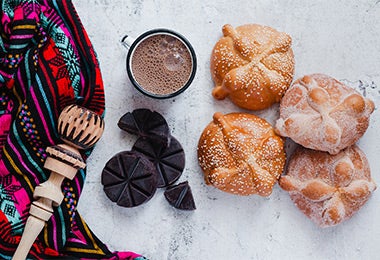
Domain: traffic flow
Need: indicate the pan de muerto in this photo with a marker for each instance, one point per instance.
(240, 153)
(328, 188)
(252, 65)
(321, 113)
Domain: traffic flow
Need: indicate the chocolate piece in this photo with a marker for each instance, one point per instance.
(180, 196)
(129, 179)
(147, 124)
(168, 161)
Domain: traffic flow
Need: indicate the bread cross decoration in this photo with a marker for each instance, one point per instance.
(321, 113)
(253, 65)
(333, 194)
(241, 154)
(246, 155)
(79, 128)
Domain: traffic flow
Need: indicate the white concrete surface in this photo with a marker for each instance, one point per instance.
(338, 38)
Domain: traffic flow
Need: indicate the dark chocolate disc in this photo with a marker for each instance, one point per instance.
(169, 161)
(129, 179)
(147, 124)
(180, 196)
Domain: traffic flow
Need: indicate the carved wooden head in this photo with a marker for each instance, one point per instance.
(80, 127)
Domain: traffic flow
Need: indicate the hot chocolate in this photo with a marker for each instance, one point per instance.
(161, 64)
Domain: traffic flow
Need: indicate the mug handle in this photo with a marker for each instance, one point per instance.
(127, 41)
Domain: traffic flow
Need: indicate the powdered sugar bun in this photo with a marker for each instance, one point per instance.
(328, 189)
(241, 154)
(253, 65)
(322, 113)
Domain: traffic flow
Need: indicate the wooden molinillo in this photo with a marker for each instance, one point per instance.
(79, 128)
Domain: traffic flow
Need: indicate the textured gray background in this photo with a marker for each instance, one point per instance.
(338, 38)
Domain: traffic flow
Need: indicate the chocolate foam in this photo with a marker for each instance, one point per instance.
(161, 64)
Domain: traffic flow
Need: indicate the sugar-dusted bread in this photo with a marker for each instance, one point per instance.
(252, 65)
(323, 114)
(327, 188)
(240, 153)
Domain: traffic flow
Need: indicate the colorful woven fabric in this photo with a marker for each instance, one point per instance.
(46, 63)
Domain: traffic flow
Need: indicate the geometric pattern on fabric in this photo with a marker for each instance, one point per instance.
(46, 63)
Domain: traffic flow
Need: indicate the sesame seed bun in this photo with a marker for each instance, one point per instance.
(241, 154)
(253, 65)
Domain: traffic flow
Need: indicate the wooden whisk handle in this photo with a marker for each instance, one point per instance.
(64, 161)
(79, 128)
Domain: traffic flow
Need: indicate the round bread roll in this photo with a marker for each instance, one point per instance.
(328, 189)
(253, 65)
(241, 154)
(323, 114)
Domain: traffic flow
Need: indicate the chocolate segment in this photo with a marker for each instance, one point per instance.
(129, 179)
(146, 124)
(180, 196)
(168, 161)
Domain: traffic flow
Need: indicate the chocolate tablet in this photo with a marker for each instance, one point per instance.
(147, 124)
(180, 196)
(168, 161)
(129, 179)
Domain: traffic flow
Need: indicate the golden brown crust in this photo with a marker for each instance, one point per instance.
(240, 153)
(253, 65)
(328, 188)
(323, 114)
